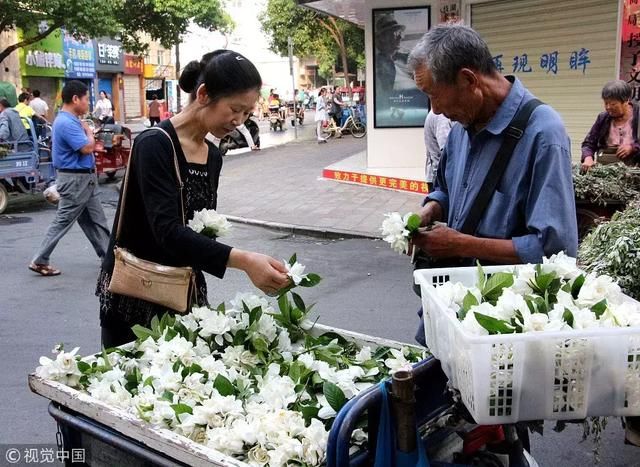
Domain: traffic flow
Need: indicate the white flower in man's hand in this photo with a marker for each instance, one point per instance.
(296, 272)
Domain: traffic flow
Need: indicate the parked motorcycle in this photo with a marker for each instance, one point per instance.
(299, 108)
(276, 119)
(235, 140)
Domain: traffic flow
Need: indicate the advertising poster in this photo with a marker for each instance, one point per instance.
(398, 102)
(79, 58)
(630, 46)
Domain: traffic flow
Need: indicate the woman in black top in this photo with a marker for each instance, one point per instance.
(224, 88)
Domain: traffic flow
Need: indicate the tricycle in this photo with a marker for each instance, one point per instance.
(113, 146)
(25, 167)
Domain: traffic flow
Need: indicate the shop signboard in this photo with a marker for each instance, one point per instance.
(79, 58)
(42, 58)
(109, 55)
(630, 46)
(133, 64)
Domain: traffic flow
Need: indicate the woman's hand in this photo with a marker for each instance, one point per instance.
(587, 163)
(624, 152)
(266, 273)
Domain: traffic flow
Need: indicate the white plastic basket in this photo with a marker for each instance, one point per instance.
(547, 375)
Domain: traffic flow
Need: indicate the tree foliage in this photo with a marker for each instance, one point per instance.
(313, 34)
(163, 20)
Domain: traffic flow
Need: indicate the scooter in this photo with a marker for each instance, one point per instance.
(299, 113)
(235, 140)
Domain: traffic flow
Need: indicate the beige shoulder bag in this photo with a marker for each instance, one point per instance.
(169, 286)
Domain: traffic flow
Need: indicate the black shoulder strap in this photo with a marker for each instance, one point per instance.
(512, 135)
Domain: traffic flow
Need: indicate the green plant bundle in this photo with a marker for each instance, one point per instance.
(606, 183)
(613, 248)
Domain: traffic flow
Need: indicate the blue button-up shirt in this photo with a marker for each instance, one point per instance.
(534, 202)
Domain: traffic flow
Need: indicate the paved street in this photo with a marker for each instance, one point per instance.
(365, 288)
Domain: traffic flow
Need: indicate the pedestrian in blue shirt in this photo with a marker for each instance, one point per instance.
(72, 153)
(532, 212)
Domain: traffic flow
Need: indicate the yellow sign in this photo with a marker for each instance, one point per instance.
(159, 71)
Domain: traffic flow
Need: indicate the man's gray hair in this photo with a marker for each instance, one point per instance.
(450, 47)
(618, 90)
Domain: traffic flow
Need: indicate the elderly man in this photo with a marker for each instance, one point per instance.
(531, 213)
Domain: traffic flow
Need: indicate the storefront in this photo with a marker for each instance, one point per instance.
(42, 68)
(133, 87)
(80, 65)
(159, 82)
(564, 52)
(109, 68)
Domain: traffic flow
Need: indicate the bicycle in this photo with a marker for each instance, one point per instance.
(351, 125)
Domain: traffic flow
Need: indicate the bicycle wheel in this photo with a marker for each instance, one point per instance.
(358, 130)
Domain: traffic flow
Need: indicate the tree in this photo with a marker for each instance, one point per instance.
(163, 20)
(313, 33)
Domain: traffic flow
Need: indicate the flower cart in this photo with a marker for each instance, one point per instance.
(112, 436)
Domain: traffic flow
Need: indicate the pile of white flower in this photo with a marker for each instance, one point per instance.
(553, 296)
(208, 222)
(246, 379)
(397, 230)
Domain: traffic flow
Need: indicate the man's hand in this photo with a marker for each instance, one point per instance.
(624, 152)
(430, 213)
(587, 163)
(439, 242)
(87, 129)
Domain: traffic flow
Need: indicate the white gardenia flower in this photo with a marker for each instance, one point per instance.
(314, 442)
(397, 362)
(252, 301)
(451, 294)
(295, 272)
(395, 233)
(584, 318)
(276, 391)
(364, 354)
(209, 218)
(508, 303)
(216, 324)
(224, 440)
(290, 450)
(564, 266)
(258, 456)
(598, 288)
(267, 327)
(63, 369)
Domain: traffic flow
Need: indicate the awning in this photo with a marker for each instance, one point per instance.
(350, 10)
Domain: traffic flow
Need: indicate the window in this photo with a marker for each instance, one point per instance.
(160, 57)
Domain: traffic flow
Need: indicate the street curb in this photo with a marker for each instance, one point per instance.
(303, 229)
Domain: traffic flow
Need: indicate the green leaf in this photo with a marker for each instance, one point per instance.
(254, 315)
(335, 396)
(148, 381)
(295, 371)
(493, 325)
(577, 285)
(309, 412)
(567, 316)
(222, 308)
(170, 334)
(469, 301)
(599, 308)
(285, 307)
(155, 325)
(260, 345)
(168, 396)
(84, 367)
(311, 280)
(297, 299)
(181, 408)
(494, 285)
(224, 386)
(481, 277)
(293, 259)
(413, 223)
(143, 333)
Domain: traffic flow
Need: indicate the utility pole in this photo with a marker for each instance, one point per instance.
(293, 87)
(178, 96)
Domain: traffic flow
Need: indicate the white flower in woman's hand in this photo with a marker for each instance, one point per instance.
(208, 222)
(295, 271)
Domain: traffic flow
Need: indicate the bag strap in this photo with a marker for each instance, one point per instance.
(126, 182)
(512, 135)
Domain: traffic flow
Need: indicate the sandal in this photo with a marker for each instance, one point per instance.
(44, 270)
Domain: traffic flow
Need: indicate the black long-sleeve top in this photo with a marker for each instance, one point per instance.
(152, 224)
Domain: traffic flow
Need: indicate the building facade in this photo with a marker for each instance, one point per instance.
(564, 52)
